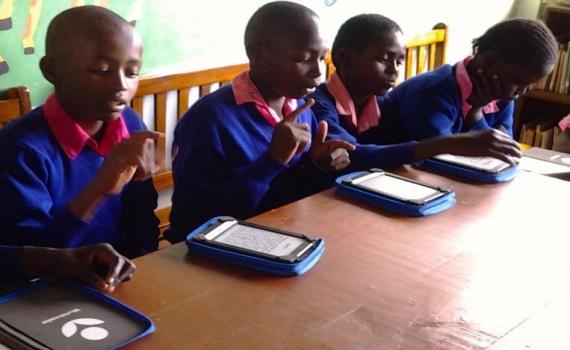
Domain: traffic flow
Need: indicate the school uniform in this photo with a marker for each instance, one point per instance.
(46, 161)
(222, 165)
(334, 105)
(10, 260)
(435, 103)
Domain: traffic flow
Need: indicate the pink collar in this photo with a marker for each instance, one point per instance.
(245, 91)
(466, 87)
(72, 138)
(369, 116)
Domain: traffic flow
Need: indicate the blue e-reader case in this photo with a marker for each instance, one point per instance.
(345, 186)
(265, 264)
(466, 172)
(53, 314)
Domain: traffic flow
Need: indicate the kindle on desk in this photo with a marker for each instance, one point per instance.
(395, 192)
(255, 246)
(480, 169)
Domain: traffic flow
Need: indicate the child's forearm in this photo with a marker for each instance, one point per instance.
(432, 147)
(85, 205)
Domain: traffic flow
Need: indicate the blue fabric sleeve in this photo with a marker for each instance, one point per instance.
(138, 223)
(502, 120)
(206, 182)
(365, 156)
(430, 116)
(11, 263)
(480, 125)
(27, 206)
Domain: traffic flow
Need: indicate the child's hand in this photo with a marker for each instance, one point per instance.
(98, 265)
(133, 158)
(487, 87)
(289, 137)
(490, 143)
(331, 155)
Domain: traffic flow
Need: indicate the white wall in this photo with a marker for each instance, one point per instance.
(216, 30)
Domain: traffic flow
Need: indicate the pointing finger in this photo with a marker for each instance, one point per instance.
(293, 115)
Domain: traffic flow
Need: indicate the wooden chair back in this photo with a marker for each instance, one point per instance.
(162, 100)
(13, 103)
(426, 51)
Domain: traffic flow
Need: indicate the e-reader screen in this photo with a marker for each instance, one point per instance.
(257, 239)
(487, 164)
(397, 187)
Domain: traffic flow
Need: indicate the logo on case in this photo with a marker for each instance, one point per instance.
(90, 333)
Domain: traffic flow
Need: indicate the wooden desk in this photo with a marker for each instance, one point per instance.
(490, 273)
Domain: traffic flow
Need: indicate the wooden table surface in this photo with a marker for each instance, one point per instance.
(491, 273)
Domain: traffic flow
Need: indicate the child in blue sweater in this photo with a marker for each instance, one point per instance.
(70, 169)
(98, 265)
(254, 145)
(367, 52)
(477, 93)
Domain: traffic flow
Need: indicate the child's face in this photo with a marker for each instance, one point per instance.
(375, 69)
(290, 67)
(98, 77)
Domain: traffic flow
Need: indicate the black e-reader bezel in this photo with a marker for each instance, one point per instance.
(438, 191)
(296, 256)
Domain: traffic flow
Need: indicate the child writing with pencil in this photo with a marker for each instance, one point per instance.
(76, 170)
(254, 145)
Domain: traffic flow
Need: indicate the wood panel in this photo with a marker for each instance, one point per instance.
(13, 103)
(466, 278)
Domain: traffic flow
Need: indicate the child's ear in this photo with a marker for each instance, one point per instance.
(48, 69)
(252, 52)
(342, 58)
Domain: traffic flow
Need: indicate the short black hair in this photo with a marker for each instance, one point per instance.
(359, 31)
(519, 41)
(77, 22)
(274, 21)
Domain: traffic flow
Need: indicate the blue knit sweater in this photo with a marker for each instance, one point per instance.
(367, 154)
(429, 105)
(222, 166)
(38, 181)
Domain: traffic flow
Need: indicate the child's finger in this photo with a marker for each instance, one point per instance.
(334, 144)
(89, 277)
(322, 132)
(293, 115)
(142, 136)
(127, 272)
(502, 156)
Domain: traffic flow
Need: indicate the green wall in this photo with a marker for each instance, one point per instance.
(167, 33)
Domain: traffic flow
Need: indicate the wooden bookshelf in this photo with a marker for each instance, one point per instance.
(543, 105)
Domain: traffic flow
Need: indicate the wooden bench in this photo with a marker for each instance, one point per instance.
(162, 100)
(13, 103)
